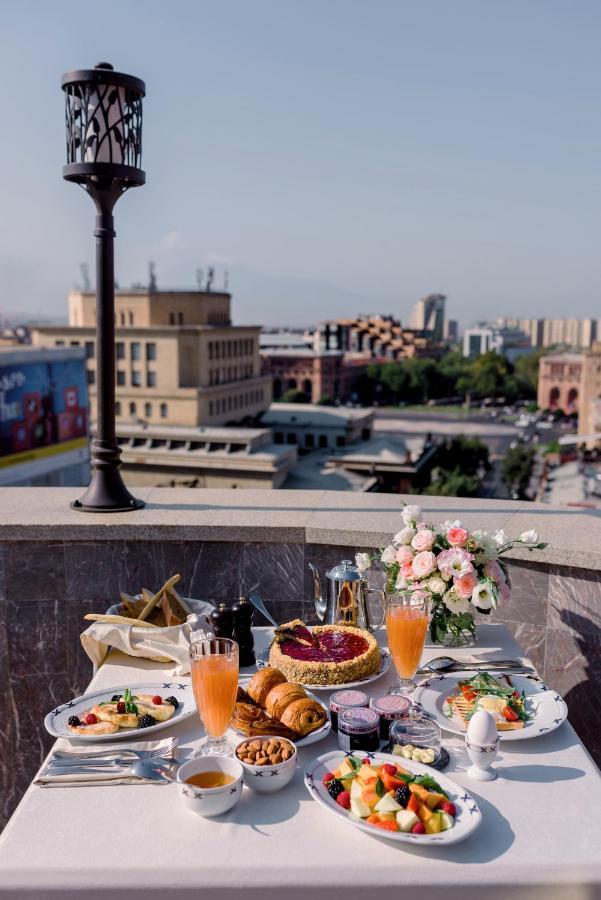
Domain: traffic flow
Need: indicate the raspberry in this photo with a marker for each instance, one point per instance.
(389, 769)
(366, 761)
(327, 777)
(418, 828)
(344, 799)
(157, 700)
(91, 719)
(449, 808)
(121, 707)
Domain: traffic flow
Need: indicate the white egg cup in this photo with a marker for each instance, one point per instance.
(482, 744)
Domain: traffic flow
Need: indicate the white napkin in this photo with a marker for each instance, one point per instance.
(159, 644)
(111, 775)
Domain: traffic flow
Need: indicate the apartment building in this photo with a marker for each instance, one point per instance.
(580, 334)
(371, 336)
(179, 360)
(589, 421)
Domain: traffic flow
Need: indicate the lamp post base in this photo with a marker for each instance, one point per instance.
(107, 494)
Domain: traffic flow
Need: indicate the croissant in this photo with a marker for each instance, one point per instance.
(281, 696)
(253, 722)
(242, 696)
(304, 716)
(262, 682)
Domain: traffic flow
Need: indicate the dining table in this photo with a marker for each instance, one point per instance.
(540, 834)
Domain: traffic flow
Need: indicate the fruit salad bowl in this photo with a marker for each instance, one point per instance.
(459, 815)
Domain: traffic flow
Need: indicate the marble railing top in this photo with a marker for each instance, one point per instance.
(317, 517)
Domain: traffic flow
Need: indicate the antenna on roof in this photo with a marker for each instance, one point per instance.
(199, 277)
(210, 278)
(85, 276)
(152, 277)
(226, 280)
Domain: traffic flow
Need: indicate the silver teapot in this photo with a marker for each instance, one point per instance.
(346, 603)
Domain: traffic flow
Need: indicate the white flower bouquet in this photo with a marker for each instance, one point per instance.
(459, 571)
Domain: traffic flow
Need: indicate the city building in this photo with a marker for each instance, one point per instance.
(172, 456)
(43, 417)
(507, 342)
(327, 375)
(180, 361)
(589, 419)
(391, 463)
(560, 381)
(284, 339)
(579, 334)
(310, 427)
(428, 316)
(374, 337)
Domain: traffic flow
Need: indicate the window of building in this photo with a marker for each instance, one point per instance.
(122, 318)
(323, 440)
(309, 440)
(210, 349)
(91, 374)
(292, 438)
(120, 350)
(134, 350)
(151, 352)
(132, 408)
(172, 318)
(211, 407)
(120, 377)
(90, 350)
(163, 410)
(229, 402)
(136, 378)
(148, 410)
(278, 437)
(180, 318)
(117, 408)
(74, 343)
(59, 343)
(340, 442)
(131, 317)
(216, 349)
(151, 379)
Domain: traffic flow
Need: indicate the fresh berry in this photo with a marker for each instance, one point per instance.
(327, 777)
(115, 697)
(449, 808)
(334, 788)
(389, 769)
(157, 700)
(402, 795)
(91, 719)
(174, 703)
(146, 721)
(121, 707)
(418, 828)
(366, 761)
(344, 799)
(74, 721)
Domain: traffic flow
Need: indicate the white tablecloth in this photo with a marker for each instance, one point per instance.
(540, 836)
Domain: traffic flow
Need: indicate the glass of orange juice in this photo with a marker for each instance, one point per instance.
(406, 627)
(214, 672)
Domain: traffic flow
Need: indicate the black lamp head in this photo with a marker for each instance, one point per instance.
(103, 111)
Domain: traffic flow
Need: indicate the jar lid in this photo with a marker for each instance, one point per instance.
(358, 721)
(347, 699)
(390, 705)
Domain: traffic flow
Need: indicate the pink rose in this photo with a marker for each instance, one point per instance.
(423, 540)
(423, 564)
(457, 537)
(465, 585)
(404, 555)
(406, 570)
(455, 563)
(493, 570)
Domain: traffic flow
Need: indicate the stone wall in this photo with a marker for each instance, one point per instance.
(47, 586)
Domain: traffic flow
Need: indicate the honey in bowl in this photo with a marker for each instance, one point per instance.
(210, 779)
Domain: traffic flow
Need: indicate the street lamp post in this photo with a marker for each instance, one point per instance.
(104, 156)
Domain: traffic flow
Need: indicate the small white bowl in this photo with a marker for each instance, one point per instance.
(210, 801)
(267, 779)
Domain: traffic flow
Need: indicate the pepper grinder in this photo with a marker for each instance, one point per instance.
(243, 612)
(222, 620)
(482, 743)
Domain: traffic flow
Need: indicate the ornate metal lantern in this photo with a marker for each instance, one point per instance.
(104, 155)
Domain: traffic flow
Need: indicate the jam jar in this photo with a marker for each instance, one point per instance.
(359, 729)
(342, 700)
(389, 708)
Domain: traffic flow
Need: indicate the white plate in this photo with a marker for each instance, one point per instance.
(263, 661)
(318, 735)
(547, 708)
(56, 721)
(468, 815)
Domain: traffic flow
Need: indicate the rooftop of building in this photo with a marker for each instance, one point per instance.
(562, 357)
(17, 354)
(311, 414)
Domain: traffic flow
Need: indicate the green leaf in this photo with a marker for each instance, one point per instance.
(429, 783)
(408, 779)
(380, 789)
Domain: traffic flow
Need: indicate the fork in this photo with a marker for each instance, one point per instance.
(167, 750)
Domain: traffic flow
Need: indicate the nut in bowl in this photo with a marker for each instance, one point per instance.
(268, 763)
(210, 785)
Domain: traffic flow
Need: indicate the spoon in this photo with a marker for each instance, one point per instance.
(258, 604)
(147, 768)
(447, 663)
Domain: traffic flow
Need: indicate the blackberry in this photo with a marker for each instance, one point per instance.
(174, 703)
(403, 795)
(74, 721)
(146, 721)
(334, 788)
(116, 697)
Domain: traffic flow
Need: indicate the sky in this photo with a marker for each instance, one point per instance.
(335, 156)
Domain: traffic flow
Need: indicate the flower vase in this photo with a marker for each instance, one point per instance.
(451, 629)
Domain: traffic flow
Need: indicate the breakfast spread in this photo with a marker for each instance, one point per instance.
(265, 753)
(271, 705)
(324, 654)
(389, 797)
(125, 710)
(496, 696)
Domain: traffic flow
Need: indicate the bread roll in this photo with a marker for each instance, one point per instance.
(304, 716)
(281, 696)
(262, 682)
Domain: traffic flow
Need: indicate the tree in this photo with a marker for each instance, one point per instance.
(454, 484)
(295, 396)
(324, 400)
(526, 373)
(516, 468)
(488, 375)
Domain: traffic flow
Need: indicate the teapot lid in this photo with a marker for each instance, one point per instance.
(345, 571)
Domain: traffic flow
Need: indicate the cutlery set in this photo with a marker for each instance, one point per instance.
(154, 765)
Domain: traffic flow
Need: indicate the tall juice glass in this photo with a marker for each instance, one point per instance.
(214, 672)
(406, 627)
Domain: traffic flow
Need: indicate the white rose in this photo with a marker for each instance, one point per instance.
(483, 596)
(500, 537)
(445, 526)
(410, 514)
(454, 603)
(401, 583)
(436, 585)
(529, 537)
(404, 536)
(388, 555)
(362, 561)
(487, 545)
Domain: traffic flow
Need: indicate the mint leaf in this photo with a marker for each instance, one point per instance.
(429, 783)
(380, 789)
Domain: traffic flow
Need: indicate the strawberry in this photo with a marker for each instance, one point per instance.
(418, 828)
(449, 808)
(366, 761)
(389, 769)
(327, 777)
(344, 800)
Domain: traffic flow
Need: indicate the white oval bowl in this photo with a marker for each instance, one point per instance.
(268, 779)
(210, 802)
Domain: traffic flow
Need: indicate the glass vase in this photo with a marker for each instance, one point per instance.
(449, 629)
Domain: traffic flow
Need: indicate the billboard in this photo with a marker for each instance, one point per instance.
(43, 408)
